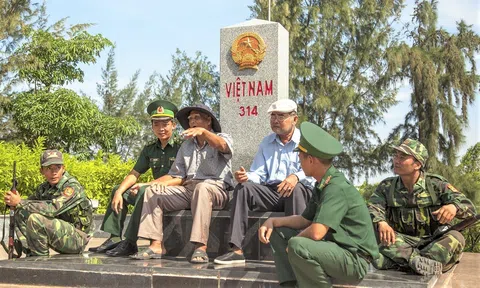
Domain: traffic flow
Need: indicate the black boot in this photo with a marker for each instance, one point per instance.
(107, 245)
(125, 248)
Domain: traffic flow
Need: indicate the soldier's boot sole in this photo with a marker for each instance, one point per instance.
(426, 266)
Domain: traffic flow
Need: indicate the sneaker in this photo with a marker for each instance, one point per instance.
(230, 258)
(425, 266)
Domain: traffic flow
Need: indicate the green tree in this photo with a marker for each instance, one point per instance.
(67, 121)
(17, 19)
(468, 172)
(108, 89)
(191, 80)
(52, 58)
(339, 72)
(442, 72)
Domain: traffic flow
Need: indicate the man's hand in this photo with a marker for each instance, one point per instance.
(265, 231)
(285, 188)
(135, 187)
(117, 202)
(241, 175)
(446, 213)
(193, 132)
(158, 187)
(12, 198)
(386, 233)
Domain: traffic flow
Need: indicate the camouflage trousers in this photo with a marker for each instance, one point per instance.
(446, 249)
(38, 233)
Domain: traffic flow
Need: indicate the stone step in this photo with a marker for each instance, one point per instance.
(178, 224)
(99, 270)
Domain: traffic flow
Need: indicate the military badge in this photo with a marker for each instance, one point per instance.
(160, 110)
(68, 192)
(52, 154)
(248, 50)
(326, 182)
(451, 187)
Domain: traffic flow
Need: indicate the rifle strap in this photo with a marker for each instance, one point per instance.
(3, 230)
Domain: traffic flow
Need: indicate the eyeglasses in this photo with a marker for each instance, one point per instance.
(280, 117)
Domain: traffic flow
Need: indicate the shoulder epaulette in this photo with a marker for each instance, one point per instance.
(439, 177)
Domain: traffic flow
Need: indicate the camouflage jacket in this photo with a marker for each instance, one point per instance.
(411, 213)
(66, 200)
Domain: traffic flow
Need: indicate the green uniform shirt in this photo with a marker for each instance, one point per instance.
(158, 159)
(410, 213)
(337, 204)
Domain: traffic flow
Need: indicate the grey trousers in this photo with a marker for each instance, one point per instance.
(256, 197)
(198, 195)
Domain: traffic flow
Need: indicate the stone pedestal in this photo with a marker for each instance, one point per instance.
(253, 74)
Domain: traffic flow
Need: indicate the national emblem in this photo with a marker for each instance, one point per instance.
(248, 50)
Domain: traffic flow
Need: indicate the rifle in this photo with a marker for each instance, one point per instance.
(11, 230)
(444, 229)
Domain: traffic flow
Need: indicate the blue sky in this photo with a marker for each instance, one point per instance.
(147, 32)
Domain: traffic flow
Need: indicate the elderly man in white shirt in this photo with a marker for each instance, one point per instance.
(275, 181)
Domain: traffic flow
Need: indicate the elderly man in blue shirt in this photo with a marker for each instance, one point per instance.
(276, 181)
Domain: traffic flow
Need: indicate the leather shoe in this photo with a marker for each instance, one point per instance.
(125, 248)
(107, 245)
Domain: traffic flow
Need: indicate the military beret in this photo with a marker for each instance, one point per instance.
(162, 110)
(414, 148)
(317, 142)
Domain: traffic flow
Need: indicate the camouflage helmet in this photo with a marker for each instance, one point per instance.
(414, 148)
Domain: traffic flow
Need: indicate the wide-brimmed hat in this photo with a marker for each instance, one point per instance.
(182, 116)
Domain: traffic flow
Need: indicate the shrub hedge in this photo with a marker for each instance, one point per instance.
(98, 176)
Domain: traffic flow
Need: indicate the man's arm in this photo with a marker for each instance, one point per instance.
(450, 195)
(377, 204)
(295, 222)
(315, 231)
(53, 208)
(129, 180)
(258, 170)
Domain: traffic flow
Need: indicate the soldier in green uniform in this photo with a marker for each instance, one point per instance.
(334, 237)
(158, 156)
(57, 216)
(408, 208)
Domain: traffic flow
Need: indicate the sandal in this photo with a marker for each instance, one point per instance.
(146, 254)
(199, 253)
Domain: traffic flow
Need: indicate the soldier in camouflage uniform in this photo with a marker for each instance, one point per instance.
(57, 216)
(408, 208)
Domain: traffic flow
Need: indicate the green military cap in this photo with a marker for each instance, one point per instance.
(162, 110)
(317, 142)
(414, 148)
(50, 157)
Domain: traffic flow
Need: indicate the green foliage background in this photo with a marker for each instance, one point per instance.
(97, 176)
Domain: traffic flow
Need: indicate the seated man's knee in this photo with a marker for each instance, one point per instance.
(34, 220)
(457, 236)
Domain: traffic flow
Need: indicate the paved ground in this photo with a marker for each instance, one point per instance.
(466, 274)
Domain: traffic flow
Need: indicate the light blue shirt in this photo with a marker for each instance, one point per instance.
(275, 161)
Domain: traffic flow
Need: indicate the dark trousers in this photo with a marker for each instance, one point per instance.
(113, 223)
(256, 197)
